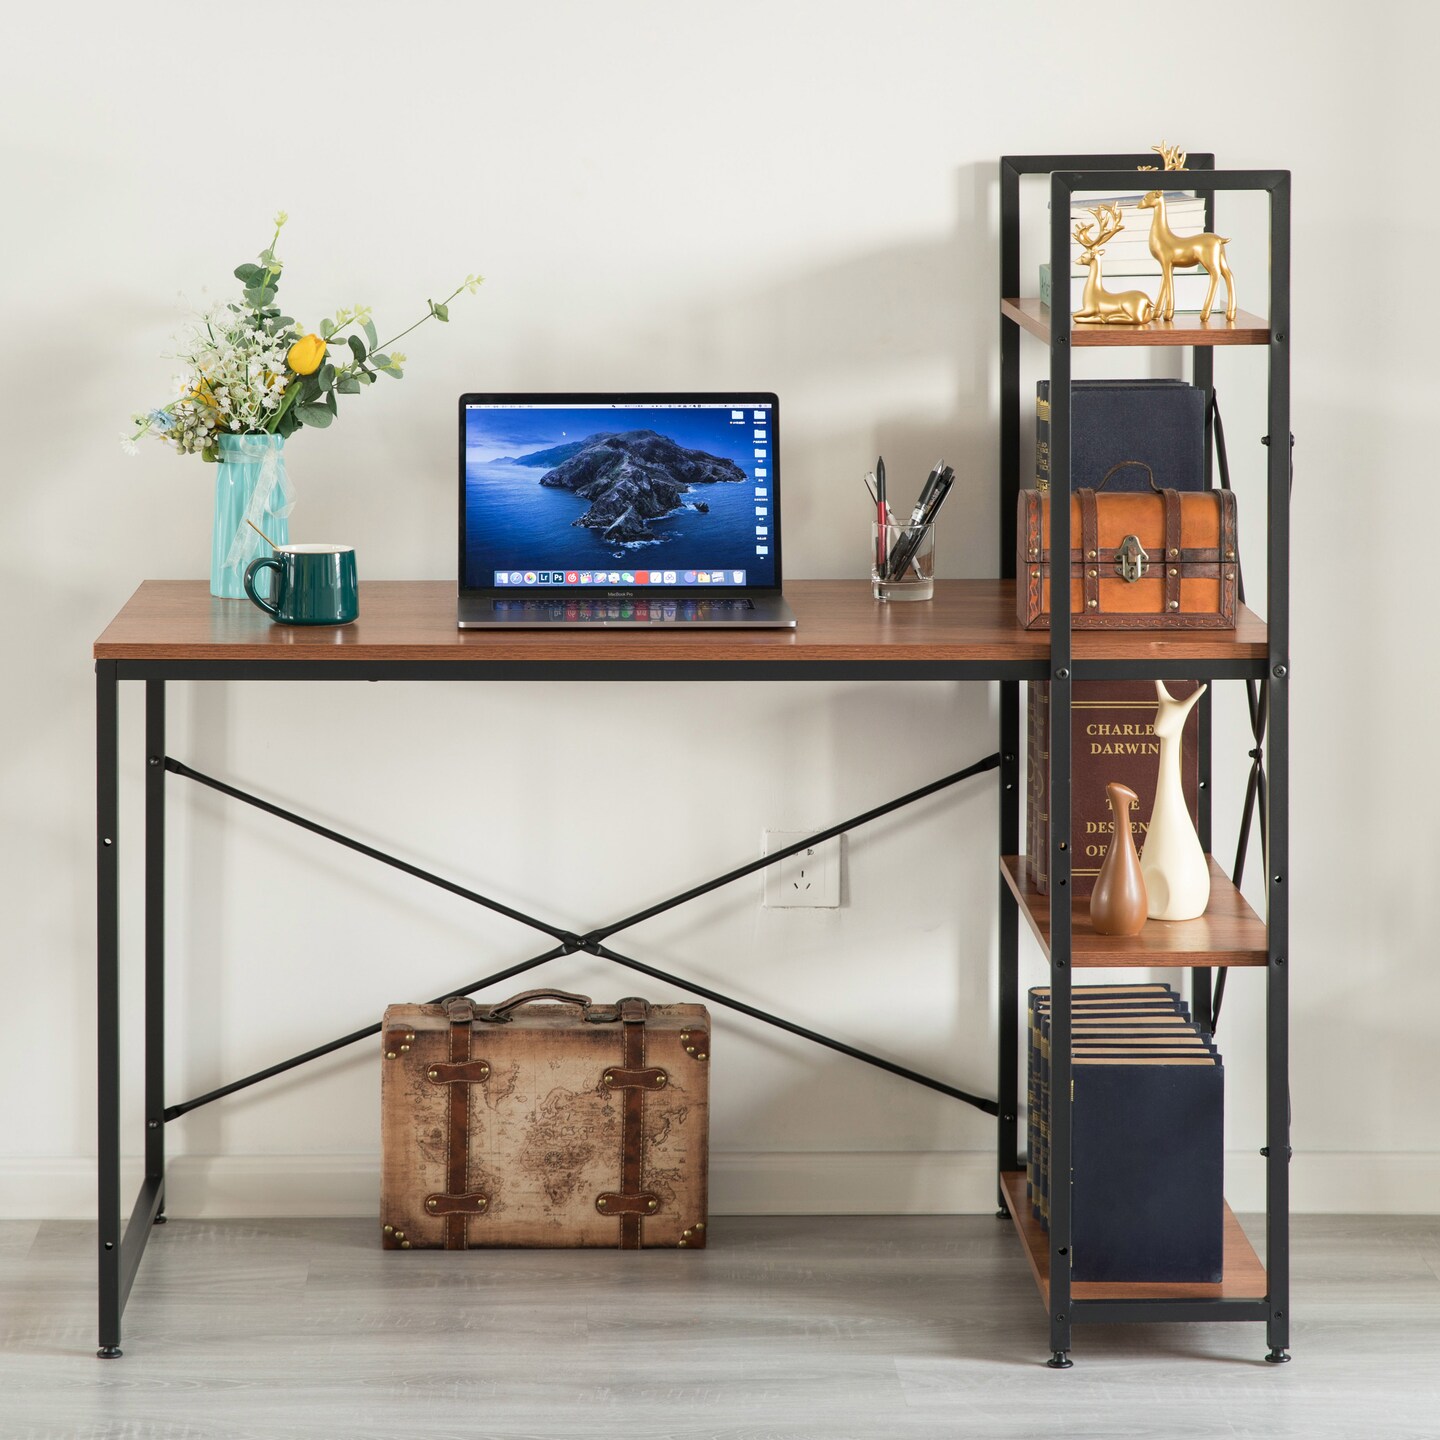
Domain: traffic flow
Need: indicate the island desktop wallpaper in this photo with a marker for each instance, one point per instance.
(573, 495)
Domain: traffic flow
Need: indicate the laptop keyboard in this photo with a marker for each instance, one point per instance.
(656, 612)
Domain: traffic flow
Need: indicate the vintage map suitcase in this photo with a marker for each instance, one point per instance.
(1160, 560)
(531, 1124)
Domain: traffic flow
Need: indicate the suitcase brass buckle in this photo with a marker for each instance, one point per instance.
(1130, 559)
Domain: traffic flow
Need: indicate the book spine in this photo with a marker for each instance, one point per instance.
(1031, 1082)
(1037, 777)
(1042, 432)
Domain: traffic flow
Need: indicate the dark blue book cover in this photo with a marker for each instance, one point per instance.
(1092, 1006)
(1148, 1166)
(1159, 422)
(1138, 1030)
(1085, 999)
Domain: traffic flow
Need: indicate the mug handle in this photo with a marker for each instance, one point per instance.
(254, 567)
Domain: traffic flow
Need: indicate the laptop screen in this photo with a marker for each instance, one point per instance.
(567, 493)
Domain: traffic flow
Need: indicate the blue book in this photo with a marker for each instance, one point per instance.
(1093, 1005)
(1159, 422)
(1148, 1168)
(1092, 1027)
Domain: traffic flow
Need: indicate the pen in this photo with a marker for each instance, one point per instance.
(926, 490)
(882, 516)
(909, 543)
(917, 516)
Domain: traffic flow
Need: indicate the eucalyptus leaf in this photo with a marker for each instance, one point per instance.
(348, 385)
(254, 296)
(396, 371)
(442, 312)
(249, 274)
(331, 403)
(357, 348)
(327, 329)
(371, 335)
(309, 388)
(326, 376)
(380, 361)
(316, 415)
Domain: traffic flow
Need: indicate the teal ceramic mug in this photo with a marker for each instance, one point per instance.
(314, 584)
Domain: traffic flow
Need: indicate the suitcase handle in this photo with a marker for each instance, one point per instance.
(500, 1014)
(1121, 465)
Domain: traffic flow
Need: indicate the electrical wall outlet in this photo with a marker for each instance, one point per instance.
(808, 879)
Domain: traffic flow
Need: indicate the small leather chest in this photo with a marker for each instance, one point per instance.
(1157, 560)
(531, 1124)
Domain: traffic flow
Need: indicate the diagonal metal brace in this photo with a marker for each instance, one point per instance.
(593, 941)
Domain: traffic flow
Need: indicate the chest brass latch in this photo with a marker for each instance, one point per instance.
(1130, 559)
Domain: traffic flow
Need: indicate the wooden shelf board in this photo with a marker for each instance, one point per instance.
(839, 621)
(1228, 933)
(1244, 1274)
(1245, 329)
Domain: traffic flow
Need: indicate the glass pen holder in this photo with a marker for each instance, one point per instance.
(902, 561)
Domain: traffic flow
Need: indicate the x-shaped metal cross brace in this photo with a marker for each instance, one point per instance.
(593, 941)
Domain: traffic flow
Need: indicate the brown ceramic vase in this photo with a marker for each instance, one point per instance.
(1118, 903)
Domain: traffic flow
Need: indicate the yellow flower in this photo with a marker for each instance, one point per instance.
(306, 355)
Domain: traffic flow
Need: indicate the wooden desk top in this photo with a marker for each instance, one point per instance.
(414, 620)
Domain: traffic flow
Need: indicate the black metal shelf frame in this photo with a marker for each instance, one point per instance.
(1269, 706)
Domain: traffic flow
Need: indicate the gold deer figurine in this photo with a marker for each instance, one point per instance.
(1173, 156)
(1099, 306)
(1186, 251)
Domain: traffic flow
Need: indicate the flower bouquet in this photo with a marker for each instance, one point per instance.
(252, 377)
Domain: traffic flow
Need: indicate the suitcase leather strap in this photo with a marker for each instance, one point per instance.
(460, 1012)
(628, 1207)
(448, 1205)
(617, 1077)
(631, 1202)
(1172, 550)
(1090, 548)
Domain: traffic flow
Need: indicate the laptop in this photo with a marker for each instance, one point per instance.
(620, 510)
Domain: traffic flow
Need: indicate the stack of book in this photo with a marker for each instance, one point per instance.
(1126, 261)
(1147, 1108)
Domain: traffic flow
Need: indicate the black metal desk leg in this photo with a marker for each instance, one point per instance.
(155, 939)
(107, 1009)
(1007, 1089)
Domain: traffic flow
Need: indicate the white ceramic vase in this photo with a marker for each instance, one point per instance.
(1177, 875)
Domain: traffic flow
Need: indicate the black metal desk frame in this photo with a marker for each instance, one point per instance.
(119, 1254)
(1268, 787)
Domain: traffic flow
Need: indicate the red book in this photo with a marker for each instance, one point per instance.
(1112, 737)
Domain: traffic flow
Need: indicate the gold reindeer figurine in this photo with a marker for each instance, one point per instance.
(1186, 251)
(1173, 156)
(1099, 306)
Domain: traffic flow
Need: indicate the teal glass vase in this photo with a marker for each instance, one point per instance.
(250, 483)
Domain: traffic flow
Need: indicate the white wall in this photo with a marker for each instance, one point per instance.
(792, 196)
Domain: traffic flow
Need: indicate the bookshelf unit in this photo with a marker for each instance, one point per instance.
(1256, 653)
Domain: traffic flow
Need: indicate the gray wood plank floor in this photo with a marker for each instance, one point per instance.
(785, 1329)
